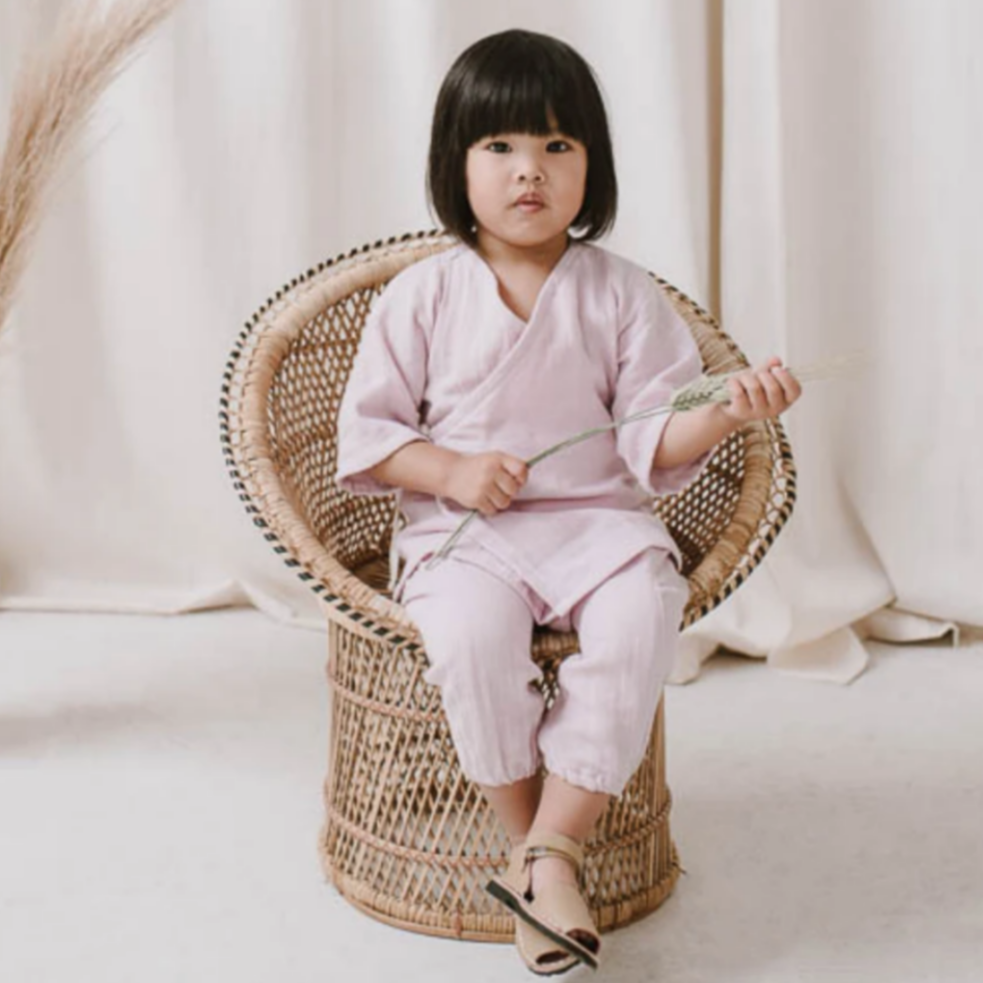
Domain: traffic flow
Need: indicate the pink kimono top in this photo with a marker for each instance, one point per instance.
(443, 359)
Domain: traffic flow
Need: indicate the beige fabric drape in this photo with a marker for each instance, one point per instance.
(849, 221)
(803, 168)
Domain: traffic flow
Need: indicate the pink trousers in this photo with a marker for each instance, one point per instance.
(477, 623)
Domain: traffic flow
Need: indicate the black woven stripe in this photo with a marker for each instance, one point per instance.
(243, 339)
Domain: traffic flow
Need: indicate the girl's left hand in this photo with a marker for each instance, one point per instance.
(761, 393)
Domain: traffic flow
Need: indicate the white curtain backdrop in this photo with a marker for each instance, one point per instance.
(806, 169)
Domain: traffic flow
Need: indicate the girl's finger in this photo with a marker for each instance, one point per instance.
(738, 398)
(755, 392)
(774, 394)
(498, 498)
(518, 469)
(507, 484)
(790, 385)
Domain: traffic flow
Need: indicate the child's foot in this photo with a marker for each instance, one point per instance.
(550, 899)
(542, 956)
(551, 871)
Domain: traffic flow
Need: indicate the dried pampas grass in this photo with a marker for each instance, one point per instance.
(55, 93)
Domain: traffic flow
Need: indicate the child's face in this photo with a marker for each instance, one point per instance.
(504, 167)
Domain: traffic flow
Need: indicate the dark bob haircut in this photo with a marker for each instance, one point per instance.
(510, 83)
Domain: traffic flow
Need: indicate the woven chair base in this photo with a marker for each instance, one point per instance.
(411, 841)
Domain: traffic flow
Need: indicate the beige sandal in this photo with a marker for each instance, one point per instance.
(541, 955)
(559, 911)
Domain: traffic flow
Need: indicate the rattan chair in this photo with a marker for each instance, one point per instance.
(407, 837)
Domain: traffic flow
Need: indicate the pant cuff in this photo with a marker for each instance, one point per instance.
(500, 777)
(590, 781)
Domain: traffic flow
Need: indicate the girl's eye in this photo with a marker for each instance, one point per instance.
(501, 147)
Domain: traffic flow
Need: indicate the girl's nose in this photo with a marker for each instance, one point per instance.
(530, 169)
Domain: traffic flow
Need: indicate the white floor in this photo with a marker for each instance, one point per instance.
(160, 785)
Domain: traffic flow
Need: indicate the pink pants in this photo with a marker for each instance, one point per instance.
(477, 628)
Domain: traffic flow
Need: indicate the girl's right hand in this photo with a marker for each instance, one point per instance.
(487, 482)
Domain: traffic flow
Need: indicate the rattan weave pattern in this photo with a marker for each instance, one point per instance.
(407, 837)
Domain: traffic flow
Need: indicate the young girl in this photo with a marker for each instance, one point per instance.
(472, 361)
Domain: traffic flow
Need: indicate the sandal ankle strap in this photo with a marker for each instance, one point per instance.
(545, 843)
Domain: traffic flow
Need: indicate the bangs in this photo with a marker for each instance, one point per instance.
(518, 96)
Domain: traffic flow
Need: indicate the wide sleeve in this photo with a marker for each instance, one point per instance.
(380, 408)
(656, 355)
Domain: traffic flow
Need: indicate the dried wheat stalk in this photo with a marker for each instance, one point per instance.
(701, 392)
